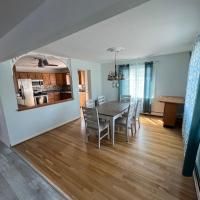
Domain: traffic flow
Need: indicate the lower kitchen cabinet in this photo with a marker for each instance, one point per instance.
(50, 97)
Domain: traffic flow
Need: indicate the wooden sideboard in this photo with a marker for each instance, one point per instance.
(170, 109)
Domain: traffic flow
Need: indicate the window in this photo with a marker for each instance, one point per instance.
(136, 80)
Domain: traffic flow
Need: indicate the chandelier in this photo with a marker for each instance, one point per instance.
(115, 76)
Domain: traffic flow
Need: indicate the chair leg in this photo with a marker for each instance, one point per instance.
(139, 122)
(108, 133)
(99, 141)
(127, 138)
(132, 129)
(86, 136)
(135, 126)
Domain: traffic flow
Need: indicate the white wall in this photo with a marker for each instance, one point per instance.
(27, 124)
(3, 127)
(170, 76)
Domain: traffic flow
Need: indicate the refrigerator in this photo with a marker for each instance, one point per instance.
(27, 97)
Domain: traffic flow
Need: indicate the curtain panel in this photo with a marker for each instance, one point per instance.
(191, 118)
(124, 84)
(148, 87)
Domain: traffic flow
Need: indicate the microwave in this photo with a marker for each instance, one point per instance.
(37, 83)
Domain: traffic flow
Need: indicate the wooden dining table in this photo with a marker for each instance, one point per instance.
(111, 111)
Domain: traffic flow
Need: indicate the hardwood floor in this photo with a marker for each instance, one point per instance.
(149, 167)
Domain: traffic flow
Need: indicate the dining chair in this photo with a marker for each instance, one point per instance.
(125, 98)
(101, 100)
(90, 103)
(92, 124)
(136, 117)
(127, 121)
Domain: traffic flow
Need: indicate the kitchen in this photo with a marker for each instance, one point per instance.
(41, 81)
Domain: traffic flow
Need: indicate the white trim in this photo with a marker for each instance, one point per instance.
(196, 185)
(44, 131)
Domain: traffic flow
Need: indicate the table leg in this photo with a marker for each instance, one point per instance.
(112, 126)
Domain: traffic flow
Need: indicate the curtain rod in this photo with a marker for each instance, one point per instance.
(138, 63)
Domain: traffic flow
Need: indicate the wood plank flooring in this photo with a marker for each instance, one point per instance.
(18, 181)
(149, 167)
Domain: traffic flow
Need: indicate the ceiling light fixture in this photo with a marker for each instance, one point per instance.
(115, 76)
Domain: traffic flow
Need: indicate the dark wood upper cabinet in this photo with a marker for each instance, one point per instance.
(23, 75)
(46, 78)
(52, 78)
(38, 76)
(31, 75)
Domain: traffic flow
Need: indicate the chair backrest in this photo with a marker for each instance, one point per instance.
(137, 108)
(90, 103)
(91, 117)
(131, 113)
(125, 98)
(101, 100)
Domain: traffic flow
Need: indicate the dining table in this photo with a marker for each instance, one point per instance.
(111, 111)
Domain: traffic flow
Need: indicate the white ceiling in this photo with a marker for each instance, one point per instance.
(153, 28)
(28, 25)
(13, 12)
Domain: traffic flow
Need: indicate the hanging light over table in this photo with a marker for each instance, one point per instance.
(115, 76)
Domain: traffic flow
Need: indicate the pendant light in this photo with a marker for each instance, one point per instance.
(115, 76)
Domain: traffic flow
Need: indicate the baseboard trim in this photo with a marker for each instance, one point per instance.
(196, 183)
(54, 186)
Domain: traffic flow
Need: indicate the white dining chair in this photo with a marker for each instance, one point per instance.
(125, 98)
(127, 121)
(92, 124)
(90, 103)
(136, 117)
(101, 100)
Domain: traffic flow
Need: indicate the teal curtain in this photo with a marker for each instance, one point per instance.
(191, 119)
(148, 81)
(124, 84)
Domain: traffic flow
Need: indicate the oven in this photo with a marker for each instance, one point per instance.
(41, 99)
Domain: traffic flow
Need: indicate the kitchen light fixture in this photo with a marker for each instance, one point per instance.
(115, 77)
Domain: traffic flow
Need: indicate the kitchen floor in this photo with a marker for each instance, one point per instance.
(18, 181)
(147, 168)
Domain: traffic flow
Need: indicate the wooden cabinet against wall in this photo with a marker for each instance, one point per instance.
(58, 79)
(52, 78)
(51, 97)
(31, 75)
(23, 75)
(38, 76)
(46, 79)
(56, 96)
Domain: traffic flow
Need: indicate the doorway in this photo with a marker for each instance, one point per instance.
(84, 86)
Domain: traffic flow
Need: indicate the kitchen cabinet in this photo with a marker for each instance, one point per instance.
(17, 75)
(31, 75)
(82, 98)
(52, 78)
(46, 79)
(56, 96)
(64, 96)
(81, 77)
(60, 79)
(23, 75)
(50, 97)
(38, 76)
